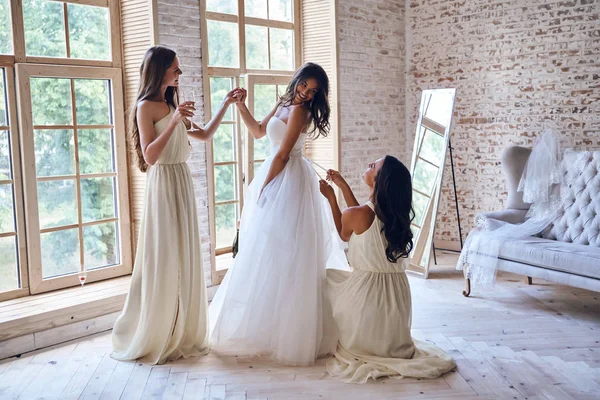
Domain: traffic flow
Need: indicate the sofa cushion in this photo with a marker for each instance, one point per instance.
(579, 217)
(566, 257)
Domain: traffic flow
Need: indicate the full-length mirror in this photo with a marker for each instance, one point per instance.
(427, 167)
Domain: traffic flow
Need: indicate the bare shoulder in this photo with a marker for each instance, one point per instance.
(300, 115)
(299, 111)
(153, 109)
(146, 105)
(360, 218)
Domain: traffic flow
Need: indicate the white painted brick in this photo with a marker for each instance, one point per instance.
(515, 64)
(179, 28)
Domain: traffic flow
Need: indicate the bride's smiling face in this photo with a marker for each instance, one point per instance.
(306, 90)
(371, 173)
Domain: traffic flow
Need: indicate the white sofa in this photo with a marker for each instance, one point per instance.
(568, 251)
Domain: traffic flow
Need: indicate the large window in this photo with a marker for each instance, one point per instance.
(13, 265)
(246, 40)
(64, 172)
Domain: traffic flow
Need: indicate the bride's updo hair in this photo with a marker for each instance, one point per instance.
(319, 105)
(393, 206)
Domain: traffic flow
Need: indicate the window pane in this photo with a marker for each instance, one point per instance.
(54, 152)
(92, 102)
(256, 8)
(262, 149)
(223, 44)
(265, 99)
(281, 10)
(225, 183)
(419, 203)
(439, 108)
(281, 90)
(5, 170)
(434, 147)
(7, 216)
(257, 47)
(3, 116)
(257, 165)
(424, 177)
(44, 28)
(5, 28)
(222, 6)
(223, 144)
(101, 245)
(95, 151)
(226, 218)
(51, 101)
(282, 45)
(89, 32)
(219, 87)
(60, 253)
(9, 272)
(427, 253)
(97, 199)
(57, 203)
(415, 232)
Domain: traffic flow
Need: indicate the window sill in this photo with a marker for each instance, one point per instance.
(38, 321)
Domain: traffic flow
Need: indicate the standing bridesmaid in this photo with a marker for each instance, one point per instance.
(165, 314)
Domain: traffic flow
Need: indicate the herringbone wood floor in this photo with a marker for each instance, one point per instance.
(512, 342)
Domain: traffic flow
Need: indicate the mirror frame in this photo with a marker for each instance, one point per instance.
(423, 243)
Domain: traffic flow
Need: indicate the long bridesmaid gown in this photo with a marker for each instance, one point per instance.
(372, 311)
(165, 314)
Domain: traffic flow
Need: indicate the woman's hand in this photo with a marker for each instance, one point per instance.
(326, 190)
(335, 177)
(240, 96)
(184, 110)
(230, 97)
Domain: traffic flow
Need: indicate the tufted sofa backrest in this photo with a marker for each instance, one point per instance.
(578, 220)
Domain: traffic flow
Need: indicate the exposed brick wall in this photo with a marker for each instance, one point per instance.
(179, 28)
(371, 65)
(518, 65)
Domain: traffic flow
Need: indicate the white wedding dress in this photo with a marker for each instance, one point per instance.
(273, 299)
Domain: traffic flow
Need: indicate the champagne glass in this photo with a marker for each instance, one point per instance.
(82, 275)
(191, 95)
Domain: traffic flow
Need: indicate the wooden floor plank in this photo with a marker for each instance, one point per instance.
(137, 381)
(511, 342)
(117, 381)
(175, 386)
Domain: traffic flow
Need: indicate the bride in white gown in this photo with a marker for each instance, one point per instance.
(272, 300)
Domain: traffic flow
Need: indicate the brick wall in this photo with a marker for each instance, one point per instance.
(371, 64)
(518, 65)
(179, 28)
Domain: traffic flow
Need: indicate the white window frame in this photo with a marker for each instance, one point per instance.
(24, 74)
(24, 180)
(251, 81)
(16, 182)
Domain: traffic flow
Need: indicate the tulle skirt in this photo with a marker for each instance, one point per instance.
(273, 299)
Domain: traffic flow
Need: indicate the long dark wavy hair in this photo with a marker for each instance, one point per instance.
(393, 206)
(157, 61)
(319, 105)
